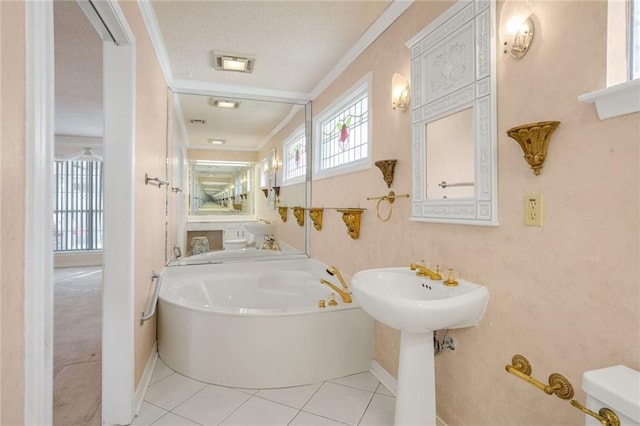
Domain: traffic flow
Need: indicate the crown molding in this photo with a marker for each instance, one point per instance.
(151, 22)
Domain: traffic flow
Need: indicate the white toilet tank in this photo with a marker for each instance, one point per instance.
(617, 388)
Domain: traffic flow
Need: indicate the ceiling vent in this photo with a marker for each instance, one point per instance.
(216, 141)
(197, 121)
(232, 62)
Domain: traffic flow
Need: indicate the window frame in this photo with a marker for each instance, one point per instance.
(340, 104)
(292, 139)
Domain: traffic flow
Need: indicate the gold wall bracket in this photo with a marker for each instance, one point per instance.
(558, 384)
(282, 211)
(387, 167)
(351, 218)
(298, 213)
(534, 139)
(315, 214)
(265, 191)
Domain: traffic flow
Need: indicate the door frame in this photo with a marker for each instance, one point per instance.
(118, 255)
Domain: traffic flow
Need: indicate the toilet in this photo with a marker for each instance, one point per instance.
(235, 244)
(616, 388)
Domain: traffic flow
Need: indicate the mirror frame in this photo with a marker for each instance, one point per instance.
(477, 17)
(204, 89)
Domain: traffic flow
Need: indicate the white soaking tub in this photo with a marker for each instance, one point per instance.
(258, 325)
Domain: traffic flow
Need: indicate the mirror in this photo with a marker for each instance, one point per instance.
(236, 172)
(221, 188)
(449, 148)
(454, 140)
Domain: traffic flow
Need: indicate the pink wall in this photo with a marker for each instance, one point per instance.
(564, 295)
(12, 185)
(150, 152)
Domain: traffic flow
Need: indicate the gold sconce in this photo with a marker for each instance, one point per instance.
(283, 213)
(534, 139)
(387, 167)
(400, 92)
(516, 27)
(265, 191)
(316, 217)
(351, 218)
(298, 213)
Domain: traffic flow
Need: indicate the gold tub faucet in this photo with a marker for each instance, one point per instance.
(333, 271)
(346, 297)
(422, 270)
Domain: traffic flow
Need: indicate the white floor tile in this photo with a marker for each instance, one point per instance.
(249, 391)
(338, 402)
(294, 397)
(160, 371)
(308, 419)
(365, 381)
(172, 390)
(383, 390)
(148, 414)
(380, 411)
(211, 405)
(171, 419)
(260, 412)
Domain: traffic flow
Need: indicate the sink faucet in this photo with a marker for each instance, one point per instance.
(422, 270)
(346, 297)
(333, 271)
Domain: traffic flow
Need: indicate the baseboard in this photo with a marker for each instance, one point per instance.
(145, 380)
(390, 382)
(81, 258)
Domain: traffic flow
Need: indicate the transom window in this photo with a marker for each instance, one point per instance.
(343, 134)
(295, 161)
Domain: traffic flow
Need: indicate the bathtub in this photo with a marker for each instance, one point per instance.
(245, 254)
(258, 325)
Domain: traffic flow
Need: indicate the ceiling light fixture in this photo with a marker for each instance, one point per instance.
(231, 62)
(216, 141)
(221, 103)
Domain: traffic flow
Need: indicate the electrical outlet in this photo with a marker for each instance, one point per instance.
(533, 210)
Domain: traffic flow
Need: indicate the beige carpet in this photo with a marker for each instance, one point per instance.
(77, 346)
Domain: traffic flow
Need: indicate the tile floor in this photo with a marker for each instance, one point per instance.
(176, 400)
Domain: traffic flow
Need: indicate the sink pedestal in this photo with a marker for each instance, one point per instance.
(416, 388)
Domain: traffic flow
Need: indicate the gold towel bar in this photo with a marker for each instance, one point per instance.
(558, 384)
(605, 416)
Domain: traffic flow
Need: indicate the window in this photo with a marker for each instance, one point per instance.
(295, 157)
(77, 206)
(343, 134)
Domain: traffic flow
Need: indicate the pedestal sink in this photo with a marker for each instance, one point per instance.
(417, 306)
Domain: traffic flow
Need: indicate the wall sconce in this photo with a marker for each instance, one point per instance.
(534, 139)
(400, 92)
(516, 27)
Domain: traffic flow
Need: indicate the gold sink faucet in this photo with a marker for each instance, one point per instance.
(346, 297)
(422, 270)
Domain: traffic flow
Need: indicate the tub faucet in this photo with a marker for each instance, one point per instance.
(422, 270)
(333, 271)
(346, 297)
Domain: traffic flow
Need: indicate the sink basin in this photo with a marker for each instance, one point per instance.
(399, 299)
(417, 306)
(259, 230)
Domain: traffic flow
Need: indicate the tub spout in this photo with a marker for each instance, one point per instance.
(346, 297)
(332, 270)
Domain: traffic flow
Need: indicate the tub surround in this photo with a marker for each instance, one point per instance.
(259, 326)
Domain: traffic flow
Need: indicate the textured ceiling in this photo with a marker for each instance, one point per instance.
(295, 44)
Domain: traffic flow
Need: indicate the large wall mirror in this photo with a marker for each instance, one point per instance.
(454, 148)
(235, 177)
